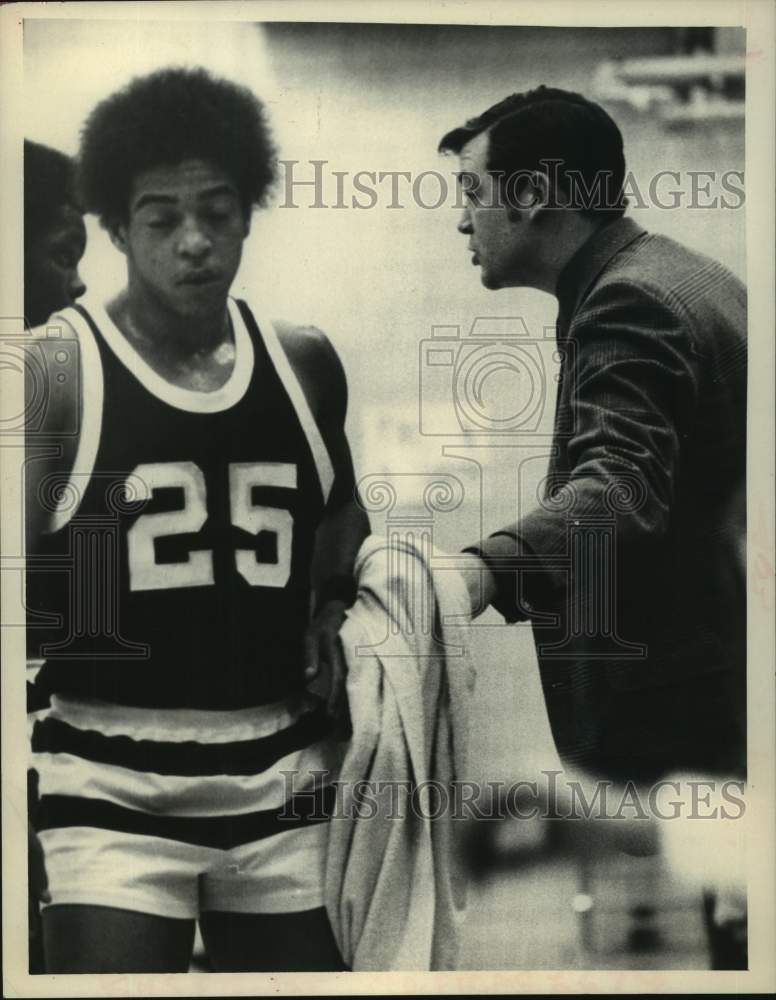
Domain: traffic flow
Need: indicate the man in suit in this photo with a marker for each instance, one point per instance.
(631, 569)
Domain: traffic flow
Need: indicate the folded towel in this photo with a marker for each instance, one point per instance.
(395, 891)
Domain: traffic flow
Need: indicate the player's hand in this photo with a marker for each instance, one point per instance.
(38, 879)
(326, 670)
(479, 580)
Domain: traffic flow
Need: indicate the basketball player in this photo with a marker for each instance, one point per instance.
(54, 233)
(54, 243)
(209, 483)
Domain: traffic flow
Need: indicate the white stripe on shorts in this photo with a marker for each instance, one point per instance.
(199, 796)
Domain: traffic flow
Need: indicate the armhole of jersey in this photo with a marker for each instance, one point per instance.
(293, 387)
(91, 382)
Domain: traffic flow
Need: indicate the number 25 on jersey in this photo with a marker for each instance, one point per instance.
(145, 573)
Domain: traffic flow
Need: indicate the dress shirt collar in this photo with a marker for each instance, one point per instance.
(588, 262)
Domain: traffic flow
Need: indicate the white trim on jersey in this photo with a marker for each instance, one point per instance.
(191, 400)
(230, 393)
(91, 400)
(293, 387)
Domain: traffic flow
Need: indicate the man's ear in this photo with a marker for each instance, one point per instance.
(530, 195)
(541, 193)
(117, 230)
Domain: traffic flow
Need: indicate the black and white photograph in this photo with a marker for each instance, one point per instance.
(388, 511)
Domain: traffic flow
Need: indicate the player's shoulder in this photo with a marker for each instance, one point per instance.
(55, 370)
(315, 361)
(307, 346)
(303, 338)
(56, 344)
(51, 333)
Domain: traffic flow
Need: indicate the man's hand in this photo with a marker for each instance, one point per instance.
(479, 580)
(326, 665)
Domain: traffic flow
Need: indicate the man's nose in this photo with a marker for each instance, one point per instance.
(76, 286)
(465, 223)
(193, 241)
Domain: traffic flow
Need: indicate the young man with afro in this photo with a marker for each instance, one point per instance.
(54, 233)
(206, 503)
(54, 243)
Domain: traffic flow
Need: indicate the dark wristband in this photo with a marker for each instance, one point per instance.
(336, 588)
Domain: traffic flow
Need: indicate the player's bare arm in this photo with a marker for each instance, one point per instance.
(345, 524)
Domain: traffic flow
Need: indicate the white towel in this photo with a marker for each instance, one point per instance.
(394, 890)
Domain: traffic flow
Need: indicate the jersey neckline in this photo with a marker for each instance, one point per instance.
(191, 400)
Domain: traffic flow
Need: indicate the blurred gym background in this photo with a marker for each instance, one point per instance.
(378, 98)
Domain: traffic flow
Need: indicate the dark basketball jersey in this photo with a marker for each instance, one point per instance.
(179, 567)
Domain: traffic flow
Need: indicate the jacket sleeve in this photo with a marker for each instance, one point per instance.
(630, 399)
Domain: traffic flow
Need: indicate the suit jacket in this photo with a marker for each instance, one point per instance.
(632, 567)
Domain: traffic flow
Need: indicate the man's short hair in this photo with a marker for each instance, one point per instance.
(49, 184)
(547, 124)
(165, 118)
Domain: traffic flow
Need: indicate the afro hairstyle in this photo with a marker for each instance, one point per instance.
(49, 183)
(165, 118)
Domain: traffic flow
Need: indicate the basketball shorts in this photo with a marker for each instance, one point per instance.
(174, 812)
